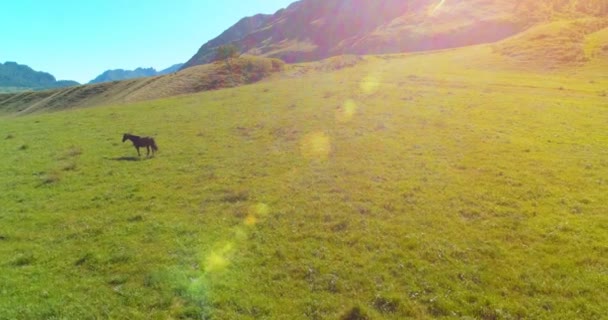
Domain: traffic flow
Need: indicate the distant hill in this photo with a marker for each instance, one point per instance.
(309, 30)
(242, 70)
(18, 77)
(171, 69)
(120, 74)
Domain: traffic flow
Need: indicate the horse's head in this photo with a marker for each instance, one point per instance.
(125, 137)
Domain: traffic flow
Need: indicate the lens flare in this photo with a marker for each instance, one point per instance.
(256, 213)
(217, 260)
(315, 145)
(346, 112)
(370, 84)
(197, 287)
(260, 209)
(437, 7)
(251, 220)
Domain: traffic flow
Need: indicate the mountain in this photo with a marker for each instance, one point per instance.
(554, 35)
(120, 74)
(242, 70)
(171, 69)
(233, 34)
(18, 77)
(314, 29)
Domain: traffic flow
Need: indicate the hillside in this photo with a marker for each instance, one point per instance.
(554, 45)
(432, 185)
(239, 30)
(120, 74)
(206, 77)
(311, 30)
(465, 183)
(18, 77)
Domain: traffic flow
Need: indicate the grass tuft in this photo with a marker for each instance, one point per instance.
(23, 259)
(235, 196)
(50, 178)
(72, 152)
(67, 166)
(386, 305)
(355, 314)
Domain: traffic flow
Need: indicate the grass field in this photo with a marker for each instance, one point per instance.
(410, 186)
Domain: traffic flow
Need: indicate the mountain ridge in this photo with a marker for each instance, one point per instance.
(122, 74)
(20, 77)
(567, 40)
(309, 30)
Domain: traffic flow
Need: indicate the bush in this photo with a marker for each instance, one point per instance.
(251, 69)
(279, 65)
(226, 52)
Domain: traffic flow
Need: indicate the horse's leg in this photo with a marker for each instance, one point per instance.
(147, 151)
(138, 154)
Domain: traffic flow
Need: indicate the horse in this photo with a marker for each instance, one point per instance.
(139, 142)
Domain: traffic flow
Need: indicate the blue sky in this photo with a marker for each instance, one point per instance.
(79, 39)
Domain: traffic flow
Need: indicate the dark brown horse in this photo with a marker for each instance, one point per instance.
(139, 142)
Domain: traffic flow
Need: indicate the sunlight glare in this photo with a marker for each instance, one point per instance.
(217, 260)
(256, 213)
(370, 84)
(197, 287)
(260, 209)
(315, 145)
(437, 7)
(346, 112)
(251, 220)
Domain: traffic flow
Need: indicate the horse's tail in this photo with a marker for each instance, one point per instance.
(154, 146)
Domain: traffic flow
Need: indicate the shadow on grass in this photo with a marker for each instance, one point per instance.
(128, 159)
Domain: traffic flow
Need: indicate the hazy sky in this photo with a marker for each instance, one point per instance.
(79, 39)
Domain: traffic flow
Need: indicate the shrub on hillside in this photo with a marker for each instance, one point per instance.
(239, 71)
(248, 69)
(226, 52)
(339, 62)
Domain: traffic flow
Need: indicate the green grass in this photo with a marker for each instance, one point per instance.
(416, 186)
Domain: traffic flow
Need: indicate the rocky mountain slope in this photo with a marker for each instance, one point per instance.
(309, 30)
(235, 33)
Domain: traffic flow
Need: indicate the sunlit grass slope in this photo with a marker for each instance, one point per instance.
(220, 74)
(420, 186)
(554, 45)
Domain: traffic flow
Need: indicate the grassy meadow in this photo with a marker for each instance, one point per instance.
(442, 185)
